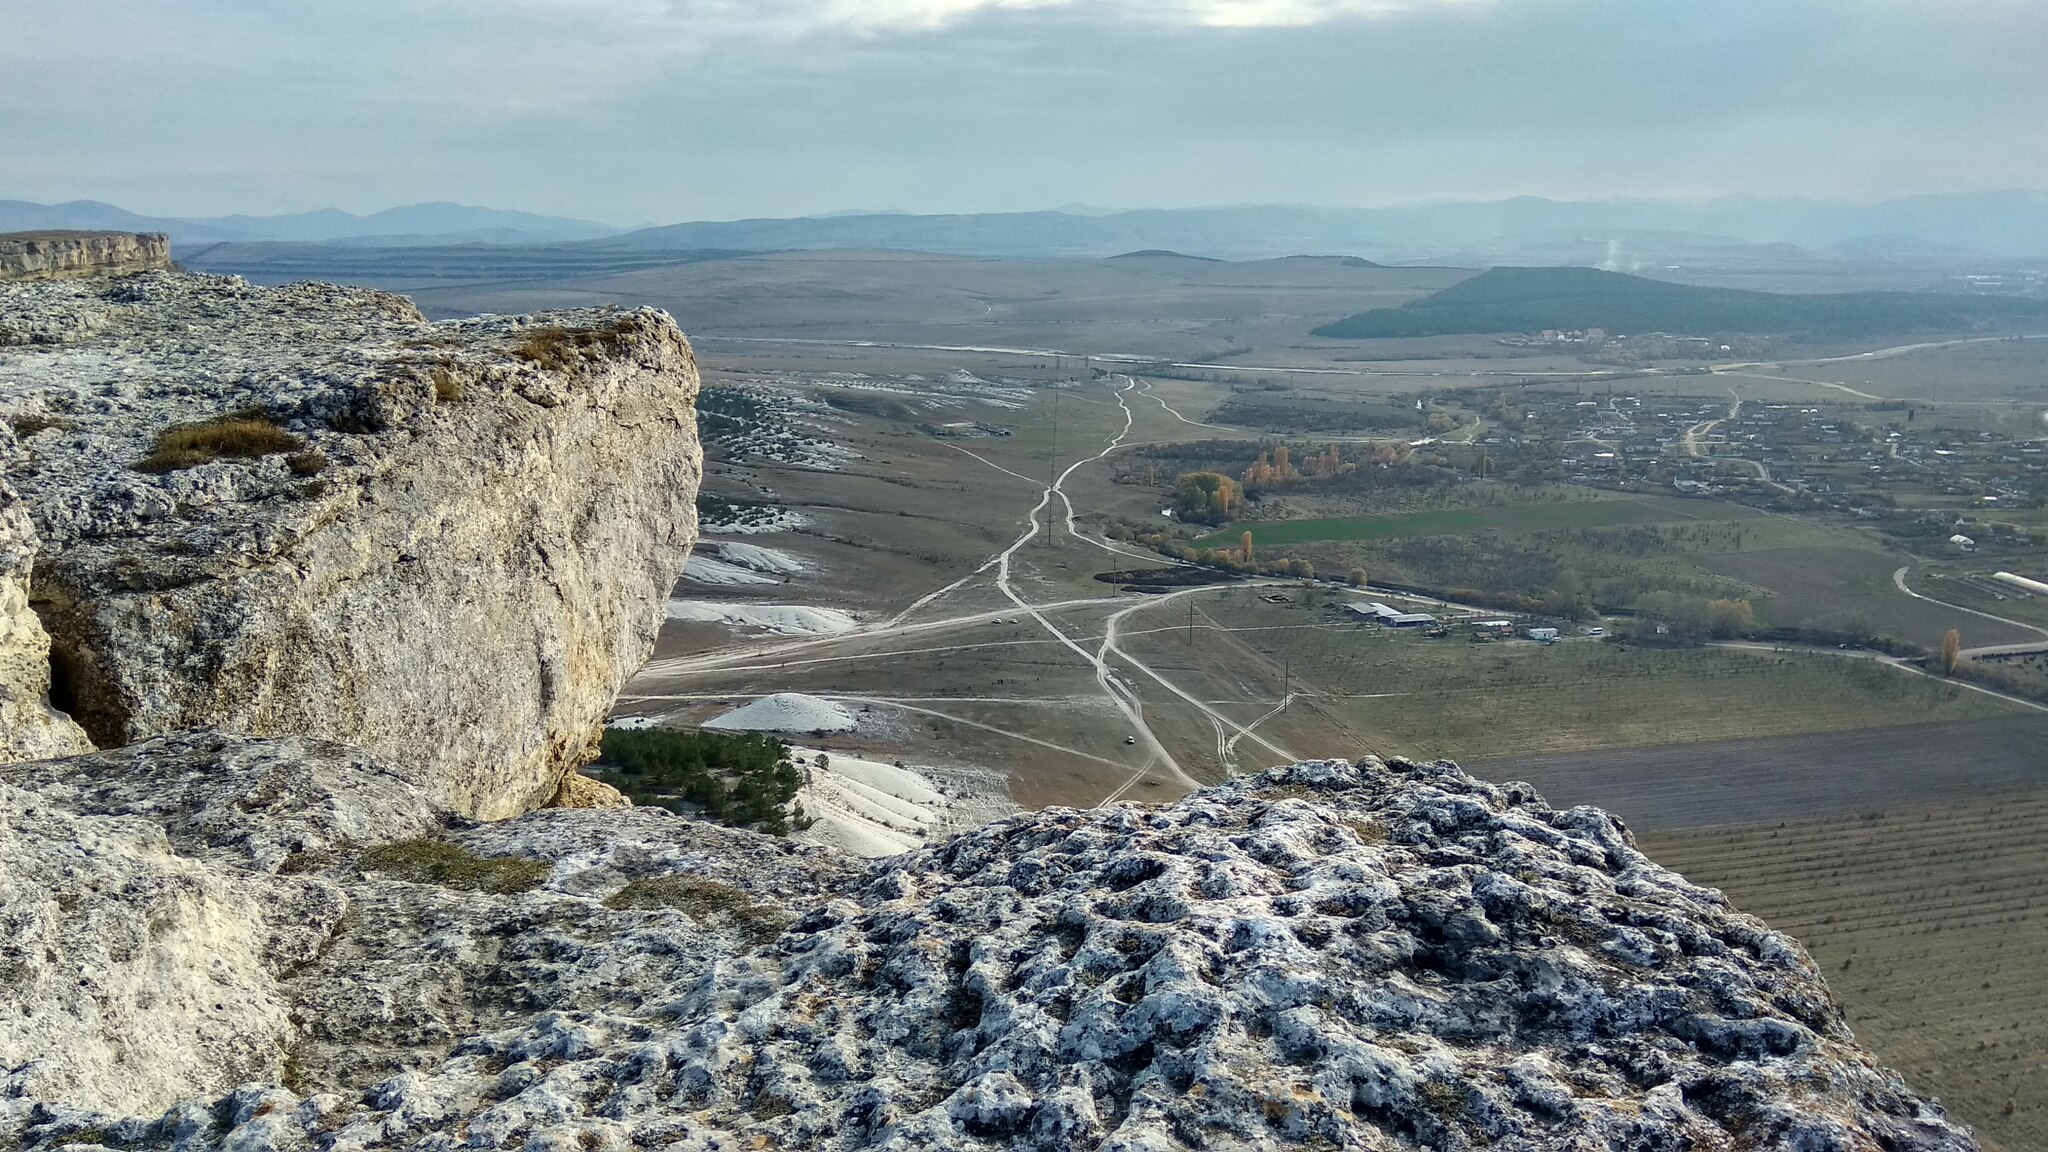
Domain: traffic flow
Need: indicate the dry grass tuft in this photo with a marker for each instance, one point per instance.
(243, 436)
(447, 389)
(554, 346)
(28, 424)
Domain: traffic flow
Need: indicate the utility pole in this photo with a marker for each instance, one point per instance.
(1052, 468)
(1191, 622)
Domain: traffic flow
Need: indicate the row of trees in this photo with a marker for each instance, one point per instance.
(1691, 617)
(744, 780)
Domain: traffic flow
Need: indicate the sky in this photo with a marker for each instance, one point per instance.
(654, 111)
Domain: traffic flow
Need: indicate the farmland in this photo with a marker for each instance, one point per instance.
(1851, 588)
(1408, 695)
(1927, 912)
(1931, 925)
(1804, 777)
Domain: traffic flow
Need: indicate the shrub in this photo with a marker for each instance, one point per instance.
(553, 346)
(453, 866)
(245, 435)
(306, 463)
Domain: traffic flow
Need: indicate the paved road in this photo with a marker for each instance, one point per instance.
(1899, 581)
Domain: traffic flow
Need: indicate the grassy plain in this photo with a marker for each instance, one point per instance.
(1453, 521)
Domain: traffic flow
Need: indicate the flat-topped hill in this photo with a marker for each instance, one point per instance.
(1535, 299)
(51, 254)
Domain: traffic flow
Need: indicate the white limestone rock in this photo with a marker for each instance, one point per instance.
(1328, 955)
(132, 977)
(207, 910)
(29, 728)
(458, 564)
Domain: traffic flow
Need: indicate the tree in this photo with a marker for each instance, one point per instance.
(1951, 652)
(1726, 618)
(1244, 544)
(1205, 497)
(1357, 578)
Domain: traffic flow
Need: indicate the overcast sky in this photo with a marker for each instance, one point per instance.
(649, 111)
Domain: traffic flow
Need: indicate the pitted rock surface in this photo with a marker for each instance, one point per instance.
(460, 564)
(1323, 956)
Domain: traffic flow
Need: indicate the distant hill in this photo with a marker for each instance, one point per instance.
(1534, 299)
(1965, 227)
(1948, 232)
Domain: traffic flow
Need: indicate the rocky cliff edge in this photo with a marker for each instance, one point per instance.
(307, 511)
(1328, 955)
(51, 255)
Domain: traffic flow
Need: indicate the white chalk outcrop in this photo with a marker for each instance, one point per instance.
(57, 254)
(1328, 955)
(455, 555)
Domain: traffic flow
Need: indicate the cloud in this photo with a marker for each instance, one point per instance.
(812, 16)
(648, 110)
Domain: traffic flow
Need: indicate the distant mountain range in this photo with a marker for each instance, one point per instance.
(409, 226)
(1622, 235)
(1535, 299)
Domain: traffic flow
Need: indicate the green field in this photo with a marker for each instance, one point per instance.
(1458, 521)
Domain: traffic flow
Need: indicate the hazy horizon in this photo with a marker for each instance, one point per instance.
(1070, 208)
(653, 111)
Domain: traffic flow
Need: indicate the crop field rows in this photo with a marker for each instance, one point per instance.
(1932, 928)
(1805, 777)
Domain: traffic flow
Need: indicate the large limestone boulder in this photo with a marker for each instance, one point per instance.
(308, 511)
(1370, 956)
